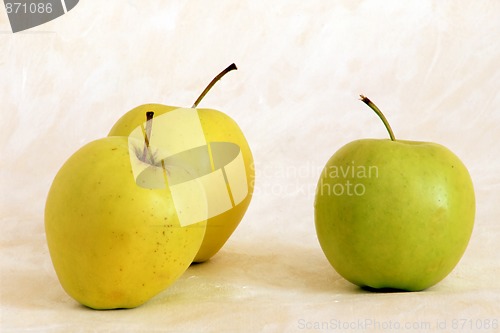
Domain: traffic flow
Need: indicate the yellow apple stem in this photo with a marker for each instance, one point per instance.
(147, 136)
(212, 83)
(379, 113)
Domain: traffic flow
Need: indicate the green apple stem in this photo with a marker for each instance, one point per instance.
(212, 83)
(149, 125)
(379, 113)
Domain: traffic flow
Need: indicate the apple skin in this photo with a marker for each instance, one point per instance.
(113, 243)
(407, 226)
(217, 127)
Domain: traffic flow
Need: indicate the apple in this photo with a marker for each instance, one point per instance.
(393, 213)
(221, 139)
(114, 240)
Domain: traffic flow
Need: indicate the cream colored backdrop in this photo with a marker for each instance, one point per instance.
(433, 67)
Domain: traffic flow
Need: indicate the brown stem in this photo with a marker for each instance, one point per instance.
(147, 136)
(379, 113)
(211, 84)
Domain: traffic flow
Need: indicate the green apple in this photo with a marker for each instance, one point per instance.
(394, 213)
(113, 242)
(218, 128)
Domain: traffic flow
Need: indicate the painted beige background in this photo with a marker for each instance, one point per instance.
(432, 66)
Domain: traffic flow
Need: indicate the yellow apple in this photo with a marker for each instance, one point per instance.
(113, 242)
(217, 127)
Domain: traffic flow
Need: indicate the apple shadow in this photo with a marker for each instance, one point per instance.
(270, 265)
(372, 290)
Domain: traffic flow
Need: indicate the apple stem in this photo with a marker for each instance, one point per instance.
(379, 113)
(212, 83)
(149, 125)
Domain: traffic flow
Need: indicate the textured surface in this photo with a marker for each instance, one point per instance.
(432, 67)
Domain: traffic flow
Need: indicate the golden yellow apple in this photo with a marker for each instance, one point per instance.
(114, 243)
(218, 130)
